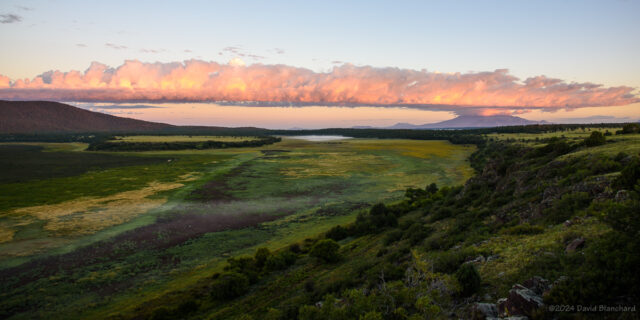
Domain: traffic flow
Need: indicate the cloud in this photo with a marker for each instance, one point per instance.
(152, 50)
(81, 45)
(115, 46)
(114, 106)
(24, 8)
(491, 92)
(10, 18)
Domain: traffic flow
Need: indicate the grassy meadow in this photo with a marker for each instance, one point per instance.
(191, 210)
(144, 138)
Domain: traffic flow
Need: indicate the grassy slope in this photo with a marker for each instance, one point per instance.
(521, 252)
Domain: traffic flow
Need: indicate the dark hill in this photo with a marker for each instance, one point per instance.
(54, 117)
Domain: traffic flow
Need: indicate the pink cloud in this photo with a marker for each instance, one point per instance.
(195, 80)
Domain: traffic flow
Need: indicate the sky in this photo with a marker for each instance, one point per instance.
(326, 63)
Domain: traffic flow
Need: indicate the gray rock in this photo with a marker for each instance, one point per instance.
(574, 245)
(483, 311)
(478, 259)
(622, 195)
(521, 301)
(537, 284)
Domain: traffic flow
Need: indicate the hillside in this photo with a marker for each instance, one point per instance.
(539, 225)
(52, 117)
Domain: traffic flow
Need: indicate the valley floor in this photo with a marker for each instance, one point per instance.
(87, 234)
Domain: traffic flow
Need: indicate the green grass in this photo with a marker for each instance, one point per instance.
(24, 162)
(182, 138)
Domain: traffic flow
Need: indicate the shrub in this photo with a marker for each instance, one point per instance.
(230, 285)
(337, 233)
(273, 314)
(413, 194)
(469, 279)
(629, 176)
(630, 128)
(432, 188)
(187, 307)
(416, 233)
(244, 265)
(449, 261)
(379, 218)
(275, 262)
(295, 248)
(261, 257)
(595, 139)
(565, 207)
(326, 250)
(393, 236)
(280, 261)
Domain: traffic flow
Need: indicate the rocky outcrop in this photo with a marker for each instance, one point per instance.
(524, 299)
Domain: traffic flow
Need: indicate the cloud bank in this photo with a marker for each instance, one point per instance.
(200, 81)
(10, 18)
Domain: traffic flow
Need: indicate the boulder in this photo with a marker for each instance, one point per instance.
(574, 245)
(482, 311)
(477, 260)
(537, 284)
(521, 301)
(622, 195)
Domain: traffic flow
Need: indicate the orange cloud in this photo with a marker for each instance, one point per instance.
(200, 81)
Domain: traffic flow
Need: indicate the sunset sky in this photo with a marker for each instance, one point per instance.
(326, 63)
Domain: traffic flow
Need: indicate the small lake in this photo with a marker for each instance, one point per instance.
(320, 138)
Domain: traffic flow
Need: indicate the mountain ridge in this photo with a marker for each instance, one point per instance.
(466, 121)
(19, 117)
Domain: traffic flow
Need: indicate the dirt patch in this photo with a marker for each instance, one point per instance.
(216, 190)
(167, 232)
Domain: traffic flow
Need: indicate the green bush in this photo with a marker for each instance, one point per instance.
(280, 261)
(595, 139)
(565, 207)
(337, 233)
(326, 250)
(469, 279)
(378, 218)
(261, 257)
(449, 261)
(630, 128)
(629, 176)
(229, 285)
(393, 236)
(416, 233)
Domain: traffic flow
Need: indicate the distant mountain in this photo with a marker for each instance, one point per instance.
(52, 117)
(470, 122)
